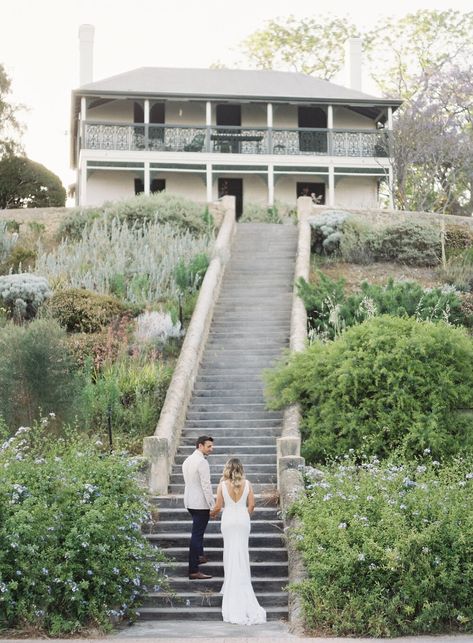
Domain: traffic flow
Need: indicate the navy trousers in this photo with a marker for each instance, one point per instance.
(200, 518)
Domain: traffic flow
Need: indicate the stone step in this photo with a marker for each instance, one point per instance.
(230, 436)
(216, 475)
(232, 441)
(216, 464)
(199, 613)
(239, 450)
(217, 404)
(185, 525)
(244, 414)
(214, 585)
(208, 598)
(258, 569)
(259, 487)
(253, 459)
(228, 423)
(264, 502)
(179, 551)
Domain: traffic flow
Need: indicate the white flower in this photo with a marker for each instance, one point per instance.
(342, 525)
(361, 557)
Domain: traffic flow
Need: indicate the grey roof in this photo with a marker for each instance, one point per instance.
(227, 83)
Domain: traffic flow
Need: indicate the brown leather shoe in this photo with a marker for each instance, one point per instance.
(199, 576)
(203, 560)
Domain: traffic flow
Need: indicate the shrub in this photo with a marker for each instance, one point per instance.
(360, 241)
(330, 310)
(459, 270)
(188, 277)
(84, 311)
(409, 242)
(36, 372)
(72, 554)
(8, 239)
(155, 328)
(458, 238)
(384, 384)
(131, 391)
(387, 548)
(180, 213)
(137, 263)
(257, 213)
(23, 294)
(326, 232)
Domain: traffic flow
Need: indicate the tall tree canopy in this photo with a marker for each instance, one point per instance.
(423, 58)
(311, 46)
(9, 125)
(26, 184)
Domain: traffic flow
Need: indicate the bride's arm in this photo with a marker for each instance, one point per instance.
(251, 500)
(219, 504)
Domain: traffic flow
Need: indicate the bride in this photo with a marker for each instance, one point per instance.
(235, 495)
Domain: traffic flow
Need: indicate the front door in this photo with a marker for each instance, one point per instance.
(309, 189)
(232, 187)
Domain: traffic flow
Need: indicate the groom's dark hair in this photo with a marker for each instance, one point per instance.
(202, 440)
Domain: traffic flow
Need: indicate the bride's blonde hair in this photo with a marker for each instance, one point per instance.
(233, 471)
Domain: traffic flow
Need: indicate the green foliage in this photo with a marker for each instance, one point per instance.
(459, 270)
(26, 184)
(8, 116)
(409, 242)
(131, 390)
(387, 548)
(400, 49)
(188, 277)
(84, 311)
(308, 45)
(182, 214)
(384, 384)
(257, 213)
(330, 310)
(72, 554)
(23, 294)
(137, 263)
(36, 372)
(360, 241)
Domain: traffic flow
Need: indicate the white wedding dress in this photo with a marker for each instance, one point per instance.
(239, 603)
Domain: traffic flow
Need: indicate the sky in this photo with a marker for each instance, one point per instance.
(39, 47)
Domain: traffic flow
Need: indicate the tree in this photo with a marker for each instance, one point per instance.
(26, 184)
(432, 145)
(9, 124)
(404, 53)
(309, 45)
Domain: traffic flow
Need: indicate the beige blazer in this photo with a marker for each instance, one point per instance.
(198, 489)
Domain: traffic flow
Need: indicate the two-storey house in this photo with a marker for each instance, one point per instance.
(263, 136)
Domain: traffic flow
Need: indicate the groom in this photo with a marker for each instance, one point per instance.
(198, 500)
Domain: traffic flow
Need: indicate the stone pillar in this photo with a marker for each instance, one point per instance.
(270, 185)
(147, 178)
(208, 180)
(331, 185)
(330, 128)
(269, 124)
(156, 451)
(83, 183)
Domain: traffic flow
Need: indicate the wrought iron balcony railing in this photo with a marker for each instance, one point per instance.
(235, 140)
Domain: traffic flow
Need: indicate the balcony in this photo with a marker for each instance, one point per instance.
(235, 140)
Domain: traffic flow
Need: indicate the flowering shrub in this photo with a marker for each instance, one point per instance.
(383, 384)
(181, 213)
(71, 549)
(388, 547)
(330, 310)
(131, 392)
(80, 310)
(155, 327)
(23, 294)
(136, 263)
(36, 371)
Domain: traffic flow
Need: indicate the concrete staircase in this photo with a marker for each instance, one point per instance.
(250, 327)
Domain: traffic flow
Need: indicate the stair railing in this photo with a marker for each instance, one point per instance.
(160, 449)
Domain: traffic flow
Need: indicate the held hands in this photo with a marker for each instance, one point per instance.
(214, 512)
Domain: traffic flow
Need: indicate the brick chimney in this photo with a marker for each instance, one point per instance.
(353, 63)
(86, 54)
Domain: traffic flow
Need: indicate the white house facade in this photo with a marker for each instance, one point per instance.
(263, 136)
